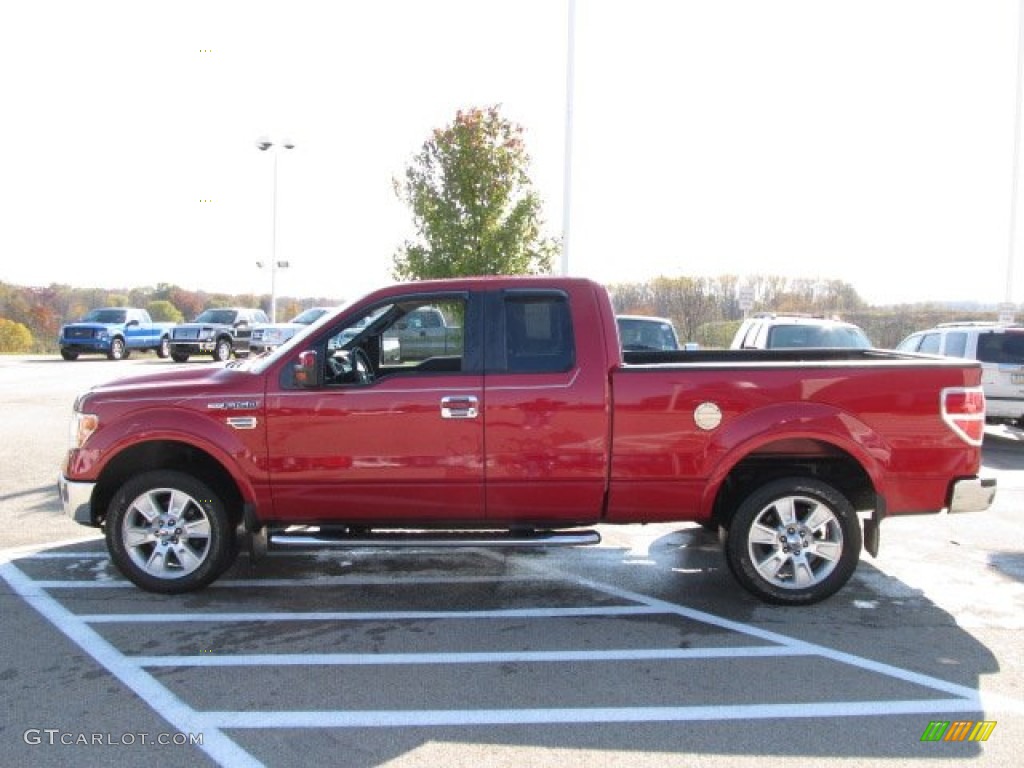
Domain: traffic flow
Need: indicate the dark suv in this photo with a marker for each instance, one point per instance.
(217, 332)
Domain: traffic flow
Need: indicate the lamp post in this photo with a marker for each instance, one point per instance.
(264, 144)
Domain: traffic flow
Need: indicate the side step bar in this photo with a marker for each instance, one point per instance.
(320, 539)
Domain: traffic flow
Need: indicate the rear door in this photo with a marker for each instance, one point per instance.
(546, 416)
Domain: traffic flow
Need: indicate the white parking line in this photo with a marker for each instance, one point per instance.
(528, 657)
(316, 581)
(182, 717)
(504, 613)
(578, 716)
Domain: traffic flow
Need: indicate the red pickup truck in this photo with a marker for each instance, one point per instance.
(533, 427)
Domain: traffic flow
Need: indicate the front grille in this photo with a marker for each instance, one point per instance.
(80, 333)
(186, 333)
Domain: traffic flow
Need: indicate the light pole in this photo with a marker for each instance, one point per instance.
(263, 144)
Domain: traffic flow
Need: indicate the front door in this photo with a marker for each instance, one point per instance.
(401, 446)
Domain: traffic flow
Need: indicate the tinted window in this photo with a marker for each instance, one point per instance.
(796, 336)
(1001, 348)
(956, 344)
(930, 344)
(538, 334)
(910, 343)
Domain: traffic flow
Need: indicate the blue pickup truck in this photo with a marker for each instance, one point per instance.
(115, 332)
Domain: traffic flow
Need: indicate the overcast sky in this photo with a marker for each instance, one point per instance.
(864, 140)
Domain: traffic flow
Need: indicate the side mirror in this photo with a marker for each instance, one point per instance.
(306, 370)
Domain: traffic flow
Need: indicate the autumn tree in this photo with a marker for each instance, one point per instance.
(162, 311)
(15, 338)
(472, 202)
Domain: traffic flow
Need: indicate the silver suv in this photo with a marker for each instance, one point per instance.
(767, 330)
(999, 349)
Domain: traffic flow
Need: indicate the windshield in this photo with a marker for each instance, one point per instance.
(310, 316)
(105, 316)
(641, 334)
(217, 316)
(260, 363)
(804, 336)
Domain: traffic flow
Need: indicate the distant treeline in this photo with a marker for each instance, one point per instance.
(706, 310)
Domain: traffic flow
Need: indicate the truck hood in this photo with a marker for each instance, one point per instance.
(176, 385)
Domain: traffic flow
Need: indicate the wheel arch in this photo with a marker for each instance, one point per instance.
(169, 454)
(829, 445)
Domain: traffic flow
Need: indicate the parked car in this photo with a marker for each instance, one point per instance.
(115, 332)
(537, 425)
(424, 332)
(767, 330)
(999, 349)
(218, 332)
(641, 332)
(272, 335)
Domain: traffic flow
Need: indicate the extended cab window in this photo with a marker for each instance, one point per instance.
(538, 334)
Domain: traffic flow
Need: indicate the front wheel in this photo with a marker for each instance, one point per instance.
(117, 350)
(67, 354)
(794, 541)
(169, 532)
(179, 357)
(222, 352)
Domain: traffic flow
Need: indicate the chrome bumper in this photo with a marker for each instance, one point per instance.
(77, 500)
(972, 495)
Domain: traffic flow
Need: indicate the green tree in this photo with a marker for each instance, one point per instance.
(162, 311)
(15, 338)
(473, 205)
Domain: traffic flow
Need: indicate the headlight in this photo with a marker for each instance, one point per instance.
(102, 335)
(82, 426)
(206, 334)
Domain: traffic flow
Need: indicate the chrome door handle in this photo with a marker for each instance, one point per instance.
(459, 407)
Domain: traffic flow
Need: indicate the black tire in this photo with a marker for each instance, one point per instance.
(164, 350)
(222, 352)
(794, 541)
(117, 349)
(67, 354)
(179, 357)
(164, 547)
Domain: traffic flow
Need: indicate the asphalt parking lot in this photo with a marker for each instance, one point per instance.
(640, 651)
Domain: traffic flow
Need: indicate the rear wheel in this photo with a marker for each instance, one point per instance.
(164, 350)
(169, 532)
(794, 541)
